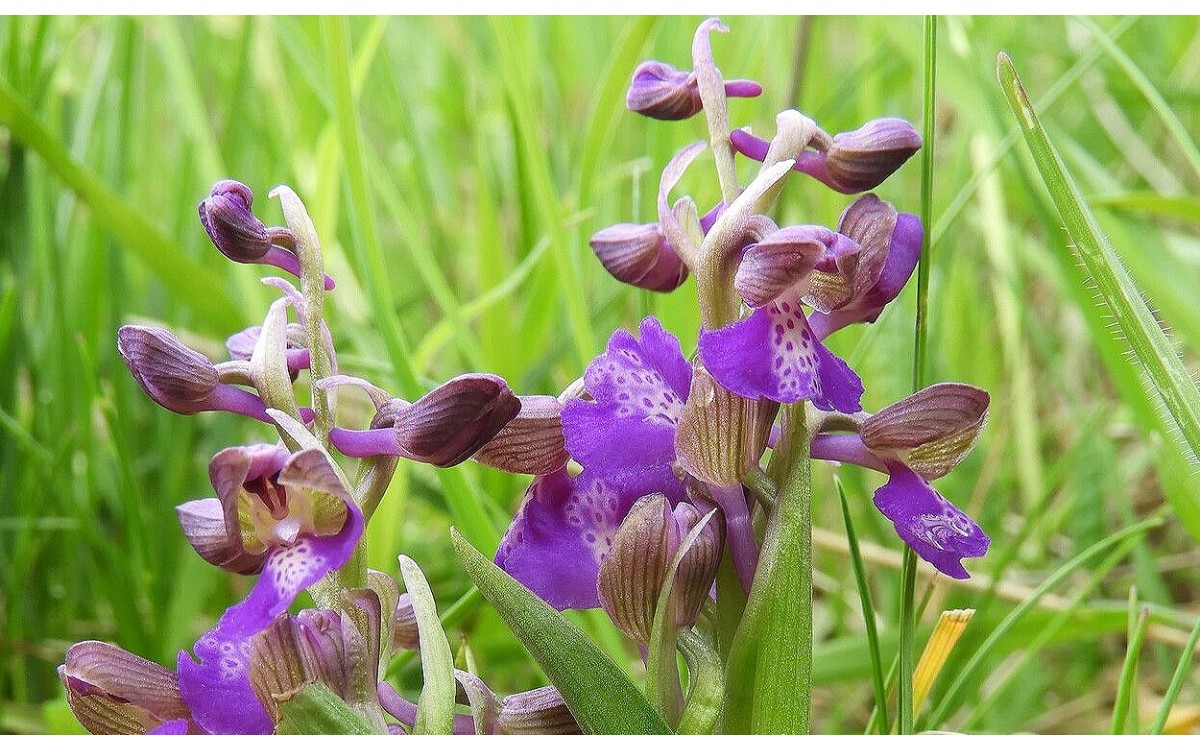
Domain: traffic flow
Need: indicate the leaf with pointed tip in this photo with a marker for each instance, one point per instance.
(435, 707)
(317, 710)
(599, 695)
(1167, 381)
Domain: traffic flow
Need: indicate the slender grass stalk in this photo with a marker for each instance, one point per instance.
(908, 574)
(864, 595)
(1181, 674)
(1126, 702)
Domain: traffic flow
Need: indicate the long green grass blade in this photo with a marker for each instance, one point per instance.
(864, 596)
(600, 696)
(1127, 684)
(1168, 380)
(1182, 669)
(189, 281)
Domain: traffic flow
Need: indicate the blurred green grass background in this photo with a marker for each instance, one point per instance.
(455, 169)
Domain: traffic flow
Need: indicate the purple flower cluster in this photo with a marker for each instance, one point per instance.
(286, 513)
(649, 422)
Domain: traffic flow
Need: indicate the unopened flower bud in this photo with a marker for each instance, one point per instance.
(660, 91)
(241, 236)
(633, 574)
(231, 225)
(931, 431)
(538, 711)
(447, 425)
(404, 631)
(111, 691)
(444, 427)
(862, 159)
(639, 254)
(175, 376)
(532, 443)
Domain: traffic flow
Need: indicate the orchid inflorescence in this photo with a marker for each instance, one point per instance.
(650, 472)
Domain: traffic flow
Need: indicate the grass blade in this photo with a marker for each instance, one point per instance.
(1127, 688)
(190, 282)
(1167, 379)
(1177, 680)
(864, 595)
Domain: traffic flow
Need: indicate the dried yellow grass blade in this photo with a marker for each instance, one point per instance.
(949, 629)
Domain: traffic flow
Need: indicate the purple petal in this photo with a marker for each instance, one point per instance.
(564, 528)
(936, 530)
(773, 354)
(178, 726)
(639, 388)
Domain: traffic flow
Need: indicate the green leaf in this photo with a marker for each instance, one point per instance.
(317, 710)
(1168, 381)
(706, 684)
(600, 696)
(769, 674)
(435, 707)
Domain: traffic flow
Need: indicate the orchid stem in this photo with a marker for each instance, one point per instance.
(312, 289)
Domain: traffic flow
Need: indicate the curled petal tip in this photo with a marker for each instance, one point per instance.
(231, 225)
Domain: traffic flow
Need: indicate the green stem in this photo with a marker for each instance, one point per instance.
(908, 576)
(312, 289)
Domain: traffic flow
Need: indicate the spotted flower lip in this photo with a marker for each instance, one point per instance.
(774, 354)
(239, 235)
(660, 91)
(180, 378)
(624, 438)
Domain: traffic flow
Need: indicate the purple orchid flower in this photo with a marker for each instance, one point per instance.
(848, 276)
(660, 91)
(913, 441)
(857, 291)
(285, 515)
(241, 236)
(774, 353)
(847, 162)
(625, 440)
